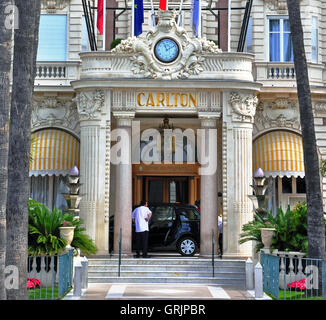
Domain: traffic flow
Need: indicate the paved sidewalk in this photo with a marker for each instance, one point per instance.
(159, 291)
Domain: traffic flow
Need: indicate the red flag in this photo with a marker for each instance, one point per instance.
(100, 16)
(163, 4)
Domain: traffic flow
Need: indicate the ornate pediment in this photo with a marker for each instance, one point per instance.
(51, 6)
(192, 51)
(53, 111)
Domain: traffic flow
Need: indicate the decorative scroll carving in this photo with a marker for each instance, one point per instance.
(244, 108)
(276, 5)
(281, 113)
(51, 6)
(90, 104)
(53, 111)
(189, 63)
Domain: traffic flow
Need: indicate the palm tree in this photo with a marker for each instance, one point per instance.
(5, 66)
(25, 50)
(315, 218)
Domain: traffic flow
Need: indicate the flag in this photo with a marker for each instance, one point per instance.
(138, 17)
(100, 16)
(163, 4)
(195, 17)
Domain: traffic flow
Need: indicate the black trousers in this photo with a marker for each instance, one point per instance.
(142, 242)
(220, 242)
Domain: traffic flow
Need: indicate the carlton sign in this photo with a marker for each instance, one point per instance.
(166, 99)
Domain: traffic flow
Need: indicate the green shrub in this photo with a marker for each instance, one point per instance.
(114, 43)
(44, 232)
(291, 229)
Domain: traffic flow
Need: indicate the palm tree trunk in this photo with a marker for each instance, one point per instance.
(5, 67)
(315, 223)
(26, 42)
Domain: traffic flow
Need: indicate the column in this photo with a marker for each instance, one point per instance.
(238, 116)
(94, 117)
(208, 187)
(123, 182)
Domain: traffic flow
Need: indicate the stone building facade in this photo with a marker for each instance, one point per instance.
(248, 99)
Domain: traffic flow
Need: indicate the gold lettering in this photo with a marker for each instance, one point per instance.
(168, 100)
(176, 99)
(160, 99)
(193, 100)
(150, 101)
(184, 103)
(139, 99)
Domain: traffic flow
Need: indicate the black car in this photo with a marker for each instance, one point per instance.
(172, 227)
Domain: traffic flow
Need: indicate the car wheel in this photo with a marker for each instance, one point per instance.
(187, 246)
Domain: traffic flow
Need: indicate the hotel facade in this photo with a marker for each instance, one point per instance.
(110, 112)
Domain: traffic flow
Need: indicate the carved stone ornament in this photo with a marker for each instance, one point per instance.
(276, 5)
(188, 63)
(279, 113)
(90, 104)
(244, 107)
(52, 111)
(51, 6)
(319, 107)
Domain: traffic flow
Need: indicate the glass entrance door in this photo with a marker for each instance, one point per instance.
(166, 189)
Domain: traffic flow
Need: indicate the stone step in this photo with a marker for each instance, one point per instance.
(176, 268)
(159, 261)
(168, 274)
(179, 280)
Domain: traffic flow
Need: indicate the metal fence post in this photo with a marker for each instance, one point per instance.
(249, 274)
(258, 281)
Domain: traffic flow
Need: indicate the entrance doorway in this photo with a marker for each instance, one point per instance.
(166, 189)
(167, 183)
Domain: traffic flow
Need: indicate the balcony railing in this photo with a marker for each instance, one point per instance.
(283, 73)
(56, 73)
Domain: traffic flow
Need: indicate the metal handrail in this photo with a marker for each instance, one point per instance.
(213, 258)
(120, 239)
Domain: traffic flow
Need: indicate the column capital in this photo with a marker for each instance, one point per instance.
(124, 119)
(243, 106)
(208, 120)
(90, 104)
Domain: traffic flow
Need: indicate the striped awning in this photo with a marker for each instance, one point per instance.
(54, 152)
(279, 153)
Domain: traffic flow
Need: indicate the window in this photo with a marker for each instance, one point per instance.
(163, 214)
(280, 44)
(301, 185)
(85, 43)
(314, 40)
(188, 214)
(248, 45)
(286, 185)
(52, 38)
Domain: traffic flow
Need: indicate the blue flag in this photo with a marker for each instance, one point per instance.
(195, 16)
(138, 17)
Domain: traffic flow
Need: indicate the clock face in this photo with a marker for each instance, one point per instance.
(166, 50)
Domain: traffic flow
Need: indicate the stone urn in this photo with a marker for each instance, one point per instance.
(267, 236)
(67, 233)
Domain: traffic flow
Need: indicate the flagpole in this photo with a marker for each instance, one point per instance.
(133, 18)
(179, 15)
(153, 14)
(104, 24)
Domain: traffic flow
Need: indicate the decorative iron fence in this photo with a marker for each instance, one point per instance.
(50, 277)
(290, 276)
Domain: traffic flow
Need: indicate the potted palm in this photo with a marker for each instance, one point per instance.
(67, 232)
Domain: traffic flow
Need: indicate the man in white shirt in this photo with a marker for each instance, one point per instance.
(141, 216)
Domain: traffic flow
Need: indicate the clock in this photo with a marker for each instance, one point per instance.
(166, 50)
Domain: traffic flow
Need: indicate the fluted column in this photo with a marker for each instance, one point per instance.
(94, 119)
(208, 186)
(237, 169)
(121, 157)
